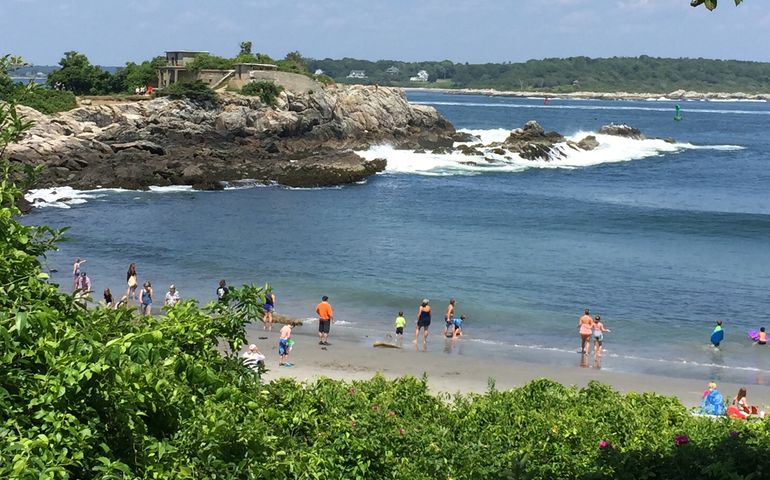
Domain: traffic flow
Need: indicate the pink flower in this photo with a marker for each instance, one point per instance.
(391, 413)
(604, 444)
(681, 439)
(375, 408)
(402, 431)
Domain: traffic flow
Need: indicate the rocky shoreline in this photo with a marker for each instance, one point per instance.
(681, 95)
(304, 140)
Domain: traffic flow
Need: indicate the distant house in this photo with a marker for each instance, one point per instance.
(422, 76)
(392, 71)
(318, 72)
(357, 74)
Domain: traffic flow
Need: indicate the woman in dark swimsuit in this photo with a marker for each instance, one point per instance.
(423, 320)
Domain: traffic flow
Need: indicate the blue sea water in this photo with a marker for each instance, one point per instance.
(661, 239)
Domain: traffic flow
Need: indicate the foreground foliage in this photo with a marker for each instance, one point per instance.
(107, 394)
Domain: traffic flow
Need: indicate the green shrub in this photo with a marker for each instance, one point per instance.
(47, 101)
(324, 79)
(265, 90)
(196, 90)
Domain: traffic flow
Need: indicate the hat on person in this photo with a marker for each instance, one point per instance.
(712, 385)
(425, 301)
(172, 286)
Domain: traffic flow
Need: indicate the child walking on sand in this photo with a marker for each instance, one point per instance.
(400, 324)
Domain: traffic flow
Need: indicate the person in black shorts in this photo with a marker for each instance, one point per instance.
(325, 318)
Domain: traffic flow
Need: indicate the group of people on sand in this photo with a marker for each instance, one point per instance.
(142, 297)
(591, 328)
(713, 403)
(453, 326)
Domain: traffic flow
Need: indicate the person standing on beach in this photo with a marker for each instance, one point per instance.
(325, 318)
(423, 320)
(585, 328)
(283, 346)
(131, 279)
(147, 298)
(172, 296)
(222, 291)
(448, 318)
(268, 307)
(76, 272)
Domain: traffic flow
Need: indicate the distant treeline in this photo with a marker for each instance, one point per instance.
(632, 74)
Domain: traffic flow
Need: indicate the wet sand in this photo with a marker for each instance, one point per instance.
(351, 356)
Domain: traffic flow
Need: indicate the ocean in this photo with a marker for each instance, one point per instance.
(661, 239)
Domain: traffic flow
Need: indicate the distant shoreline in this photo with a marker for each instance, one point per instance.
(677, 95)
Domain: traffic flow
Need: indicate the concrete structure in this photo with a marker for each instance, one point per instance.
(178, 70)
(182, 58)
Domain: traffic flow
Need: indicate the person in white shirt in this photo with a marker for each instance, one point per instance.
(172, 296)
(252, 358)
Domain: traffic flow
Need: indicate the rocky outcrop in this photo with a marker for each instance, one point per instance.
(305, 140)
(532, 142)
(622, 131)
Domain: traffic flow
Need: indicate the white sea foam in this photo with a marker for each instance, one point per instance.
(172, 189)
(611, 149)
(66, 197)
(60, 197)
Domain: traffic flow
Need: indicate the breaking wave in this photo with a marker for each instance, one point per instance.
(611, 149)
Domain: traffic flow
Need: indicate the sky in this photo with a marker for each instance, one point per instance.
(112, 32)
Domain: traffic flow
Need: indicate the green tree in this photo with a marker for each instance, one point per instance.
(206, 61)
(293, 62)
(245, 48)
(135, 75)
(79, 76)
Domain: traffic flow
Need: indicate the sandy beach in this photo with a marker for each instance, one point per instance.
(351, 356)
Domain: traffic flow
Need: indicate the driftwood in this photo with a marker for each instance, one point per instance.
(283, 320)
(386, 345)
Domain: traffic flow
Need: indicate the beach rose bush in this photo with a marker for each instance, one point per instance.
(107, 394)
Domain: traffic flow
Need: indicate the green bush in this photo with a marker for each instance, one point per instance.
(196, 90)
(266, 91)
(324, 79)
(47, 101)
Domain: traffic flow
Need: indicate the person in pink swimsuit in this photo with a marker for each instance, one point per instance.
(585, 328)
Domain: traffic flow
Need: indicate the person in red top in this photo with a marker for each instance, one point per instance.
(325, 318)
